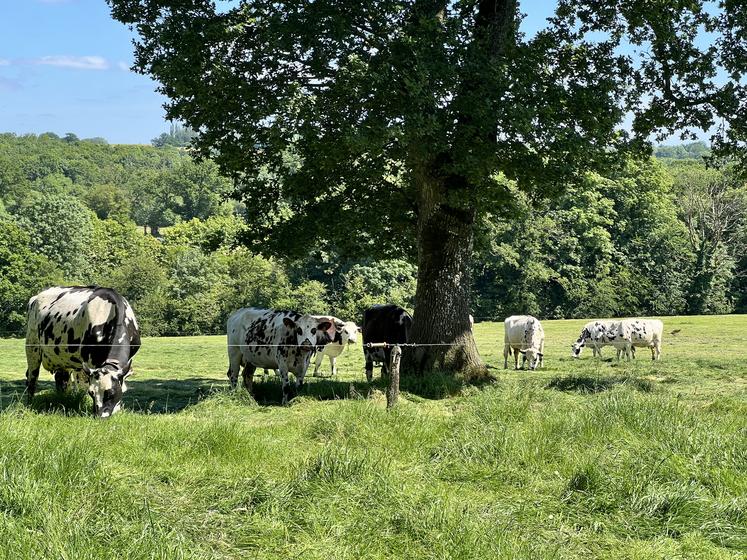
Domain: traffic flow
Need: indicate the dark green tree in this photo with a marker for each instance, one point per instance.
(394, 118)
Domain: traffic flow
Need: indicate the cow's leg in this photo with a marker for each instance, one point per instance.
(234, 365)
(516, 358)
(33, 361)
(333, 365)
(248, 377)
(386, 362)
(523, 361)
(369, 366)
(318, 362)
(506, 352)
(287, 391)
(61, 379)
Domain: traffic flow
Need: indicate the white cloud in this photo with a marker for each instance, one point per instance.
(123, 66)
(4, 62)
(76, 62)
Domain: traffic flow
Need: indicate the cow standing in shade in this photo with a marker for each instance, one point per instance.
(523, 334)
(345, 333)
(383, 323)
(279, 340)
(91, 331)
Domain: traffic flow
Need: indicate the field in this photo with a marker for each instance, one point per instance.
(584, 459)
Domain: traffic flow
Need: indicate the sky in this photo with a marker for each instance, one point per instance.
(64, 67)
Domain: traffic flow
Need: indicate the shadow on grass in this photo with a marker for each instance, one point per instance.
(587, 384)
(166, 396)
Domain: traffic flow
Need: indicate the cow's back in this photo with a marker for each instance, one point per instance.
(72, 325)
(386, 323)
(515, 328)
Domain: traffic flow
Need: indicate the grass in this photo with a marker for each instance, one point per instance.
(584, 459)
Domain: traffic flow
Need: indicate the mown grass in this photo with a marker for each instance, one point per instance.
(584, 459)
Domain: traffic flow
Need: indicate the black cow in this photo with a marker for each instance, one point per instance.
(91, 331)
(384, 323)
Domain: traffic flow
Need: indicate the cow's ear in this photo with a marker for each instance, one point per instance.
(540, 354)
(522, 351)
(359, 329)
(325, 326)
(86, 369)
(288, 322)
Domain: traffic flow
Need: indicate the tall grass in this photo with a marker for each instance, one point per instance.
(586, 459)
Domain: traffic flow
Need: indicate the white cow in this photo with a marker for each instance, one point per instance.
(523, 334)
(596, 334)
(644, 333)
(345, 333)
(280, 340)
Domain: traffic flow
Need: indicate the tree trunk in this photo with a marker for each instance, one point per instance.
(442, 298)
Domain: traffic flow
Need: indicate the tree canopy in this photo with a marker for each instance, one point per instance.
(403, 118)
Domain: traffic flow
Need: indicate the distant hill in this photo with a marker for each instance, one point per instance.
(694, 150)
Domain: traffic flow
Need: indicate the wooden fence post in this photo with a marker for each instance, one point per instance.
(392, 392)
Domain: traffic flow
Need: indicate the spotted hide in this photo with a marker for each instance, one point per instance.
(344, 334)
(523, 334)
(596, 334)
(384, 323)
(644, 333)
(279, 340)
(89, 331)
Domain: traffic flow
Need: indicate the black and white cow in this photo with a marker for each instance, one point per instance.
(596, 334)
(383, 323)
(279, 340)
(89, 331)
(345, 333)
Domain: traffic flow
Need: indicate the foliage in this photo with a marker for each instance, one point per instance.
(23, 273)
(178, 136)
(49, 219)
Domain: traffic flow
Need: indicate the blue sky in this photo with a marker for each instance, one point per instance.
(64, 67)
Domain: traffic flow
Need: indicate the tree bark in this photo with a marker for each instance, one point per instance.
(442, 297)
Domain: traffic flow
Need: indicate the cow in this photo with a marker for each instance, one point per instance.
(596, 334)
(88, 330)
(523, 334)
(383, 323)
(345, 333)
(270, 339)
(644, 333)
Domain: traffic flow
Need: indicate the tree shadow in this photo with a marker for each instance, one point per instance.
(168, 396)
(585, 384)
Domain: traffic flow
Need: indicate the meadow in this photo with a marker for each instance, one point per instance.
(585, 458)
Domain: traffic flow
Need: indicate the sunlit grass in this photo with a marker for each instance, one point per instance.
(586, 458)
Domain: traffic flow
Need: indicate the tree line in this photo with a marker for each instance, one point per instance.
(664, 236)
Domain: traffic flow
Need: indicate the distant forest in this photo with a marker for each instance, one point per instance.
(664, 236)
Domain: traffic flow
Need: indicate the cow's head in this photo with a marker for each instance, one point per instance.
(533, 356)
(577, 346)
(349, 332)
(106, 385)
(310, 331)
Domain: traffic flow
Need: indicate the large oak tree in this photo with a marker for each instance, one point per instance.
(386, 127)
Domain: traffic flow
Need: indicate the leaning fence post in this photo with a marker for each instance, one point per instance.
(392, 392)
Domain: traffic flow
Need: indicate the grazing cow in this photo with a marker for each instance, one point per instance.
(345, 333)
(644, 333)
(91, 331)
(596, 334)
(384, 323)
(279, 340)
(523, 334)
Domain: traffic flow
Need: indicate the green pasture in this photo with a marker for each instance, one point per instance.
(584, 459)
